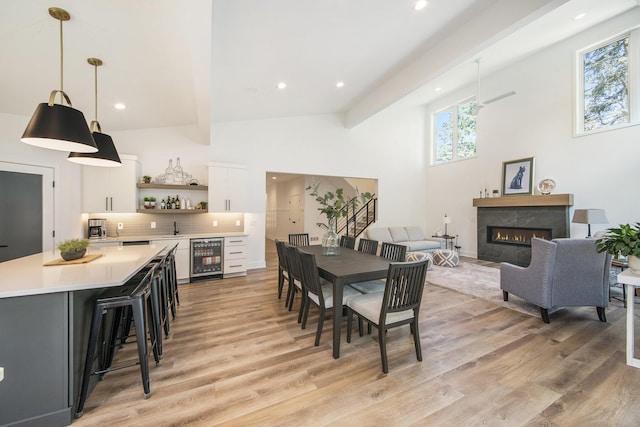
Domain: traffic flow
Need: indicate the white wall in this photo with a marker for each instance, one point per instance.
(600, 170)
(388, 147)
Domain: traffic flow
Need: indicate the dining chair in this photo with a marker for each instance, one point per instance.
(398, 305)
(348, 242)
(299, 239)
(295, 279)
(368, 246)
(283, 268)
(318, 291)
(394, 253)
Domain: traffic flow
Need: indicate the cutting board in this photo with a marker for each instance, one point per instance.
(85, 259)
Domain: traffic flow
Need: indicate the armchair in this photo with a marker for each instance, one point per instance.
(563, 273)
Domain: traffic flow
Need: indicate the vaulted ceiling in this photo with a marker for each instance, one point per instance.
(194, 62)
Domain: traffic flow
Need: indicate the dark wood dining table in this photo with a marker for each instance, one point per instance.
(350, 266)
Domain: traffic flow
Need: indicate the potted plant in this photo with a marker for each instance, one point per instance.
(152, 202)
(147, 203)
(146, 179)
(334, 205)
(73, 249)
(623, 240)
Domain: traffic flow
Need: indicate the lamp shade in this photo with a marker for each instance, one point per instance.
(107, 155)
(589, 216)
(59, 127)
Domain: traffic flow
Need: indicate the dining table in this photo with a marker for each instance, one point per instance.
(350, 266)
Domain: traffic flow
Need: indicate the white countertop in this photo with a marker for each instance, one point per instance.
(166, 237)
(27, 275)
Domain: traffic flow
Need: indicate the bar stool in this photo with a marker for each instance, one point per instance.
(137, 298)
(172, 280)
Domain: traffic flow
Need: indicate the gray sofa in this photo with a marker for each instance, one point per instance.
(412, 237)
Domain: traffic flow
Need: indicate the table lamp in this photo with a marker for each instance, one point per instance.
(446, 220)
(589, 216)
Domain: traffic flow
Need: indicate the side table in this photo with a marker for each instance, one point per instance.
(448, 239)
(630, 279)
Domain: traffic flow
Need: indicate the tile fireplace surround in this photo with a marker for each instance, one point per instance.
(526, 211)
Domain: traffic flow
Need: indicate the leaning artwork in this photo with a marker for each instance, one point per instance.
(517, 177)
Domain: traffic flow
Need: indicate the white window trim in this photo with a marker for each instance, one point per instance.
(454, 107)
(634, 86)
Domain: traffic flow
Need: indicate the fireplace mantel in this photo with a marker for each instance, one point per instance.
(525, 200)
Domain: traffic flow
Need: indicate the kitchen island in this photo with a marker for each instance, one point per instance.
(45, 315)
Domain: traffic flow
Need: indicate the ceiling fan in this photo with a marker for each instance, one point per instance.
(482, 104)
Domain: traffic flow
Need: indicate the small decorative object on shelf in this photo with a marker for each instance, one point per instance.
(546, 186)
(146, 179)
(73, 249)
(168, 173)
(496, 193)
(178, 173)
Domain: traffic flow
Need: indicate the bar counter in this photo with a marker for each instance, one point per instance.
(45, 314)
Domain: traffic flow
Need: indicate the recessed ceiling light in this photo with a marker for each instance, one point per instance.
(340, 84)
(438, 89)
(274, 177)
(120, 106)
(282, 85)
(420, 4)
(580, 16)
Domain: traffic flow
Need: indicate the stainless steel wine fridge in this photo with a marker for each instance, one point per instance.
(206, 258)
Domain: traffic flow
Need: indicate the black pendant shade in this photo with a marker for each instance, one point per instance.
(107, 155)
(59, 127)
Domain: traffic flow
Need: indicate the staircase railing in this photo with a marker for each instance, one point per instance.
(356, 221)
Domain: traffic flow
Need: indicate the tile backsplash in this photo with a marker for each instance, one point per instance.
(139, 224)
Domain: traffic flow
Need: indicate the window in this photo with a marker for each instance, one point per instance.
(455, 132)
(606, 93)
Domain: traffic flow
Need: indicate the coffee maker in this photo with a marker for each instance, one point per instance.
(97, 228)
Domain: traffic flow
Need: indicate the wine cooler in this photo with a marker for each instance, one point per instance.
(206, 258)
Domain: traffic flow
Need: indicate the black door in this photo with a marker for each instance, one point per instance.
(21, 219)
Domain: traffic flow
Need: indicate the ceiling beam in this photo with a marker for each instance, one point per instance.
(494, 23)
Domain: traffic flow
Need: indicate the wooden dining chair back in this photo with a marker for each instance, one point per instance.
(283, 267)
(299, 239)
(398, 305)
(318, 292)
(368, 246)
(348, 242)
(393, 252)
(295, 279)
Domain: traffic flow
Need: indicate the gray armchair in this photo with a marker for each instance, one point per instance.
(562, 273)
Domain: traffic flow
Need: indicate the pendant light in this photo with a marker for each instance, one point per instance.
(107, 155)
(57, 126)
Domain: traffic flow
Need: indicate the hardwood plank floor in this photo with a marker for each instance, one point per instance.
(237, 357)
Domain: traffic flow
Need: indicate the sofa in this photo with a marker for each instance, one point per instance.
(412, 237)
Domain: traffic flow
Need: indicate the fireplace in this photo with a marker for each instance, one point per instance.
(540, 216)
(519, 236)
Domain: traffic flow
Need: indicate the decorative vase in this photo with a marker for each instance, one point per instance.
(634, 262)
(70, 256)
(331, 240)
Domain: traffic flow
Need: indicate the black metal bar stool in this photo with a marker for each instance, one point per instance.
(172, 280)
(137, 298)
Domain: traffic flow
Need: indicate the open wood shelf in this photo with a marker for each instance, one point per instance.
(172, 187)
(172, 211)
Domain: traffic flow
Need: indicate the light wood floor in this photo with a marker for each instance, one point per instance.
(236, 357)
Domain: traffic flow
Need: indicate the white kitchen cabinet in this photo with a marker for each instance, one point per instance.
(235, 256)
(111, 189)
(182, 256)
(227, 187)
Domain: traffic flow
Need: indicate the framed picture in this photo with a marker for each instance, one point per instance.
(517, 177)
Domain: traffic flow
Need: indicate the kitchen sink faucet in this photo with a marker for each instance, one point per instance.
(175, 229)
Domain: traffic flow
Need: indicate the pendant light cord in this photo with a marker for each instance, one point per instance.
(95, 90)
(61, 67)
